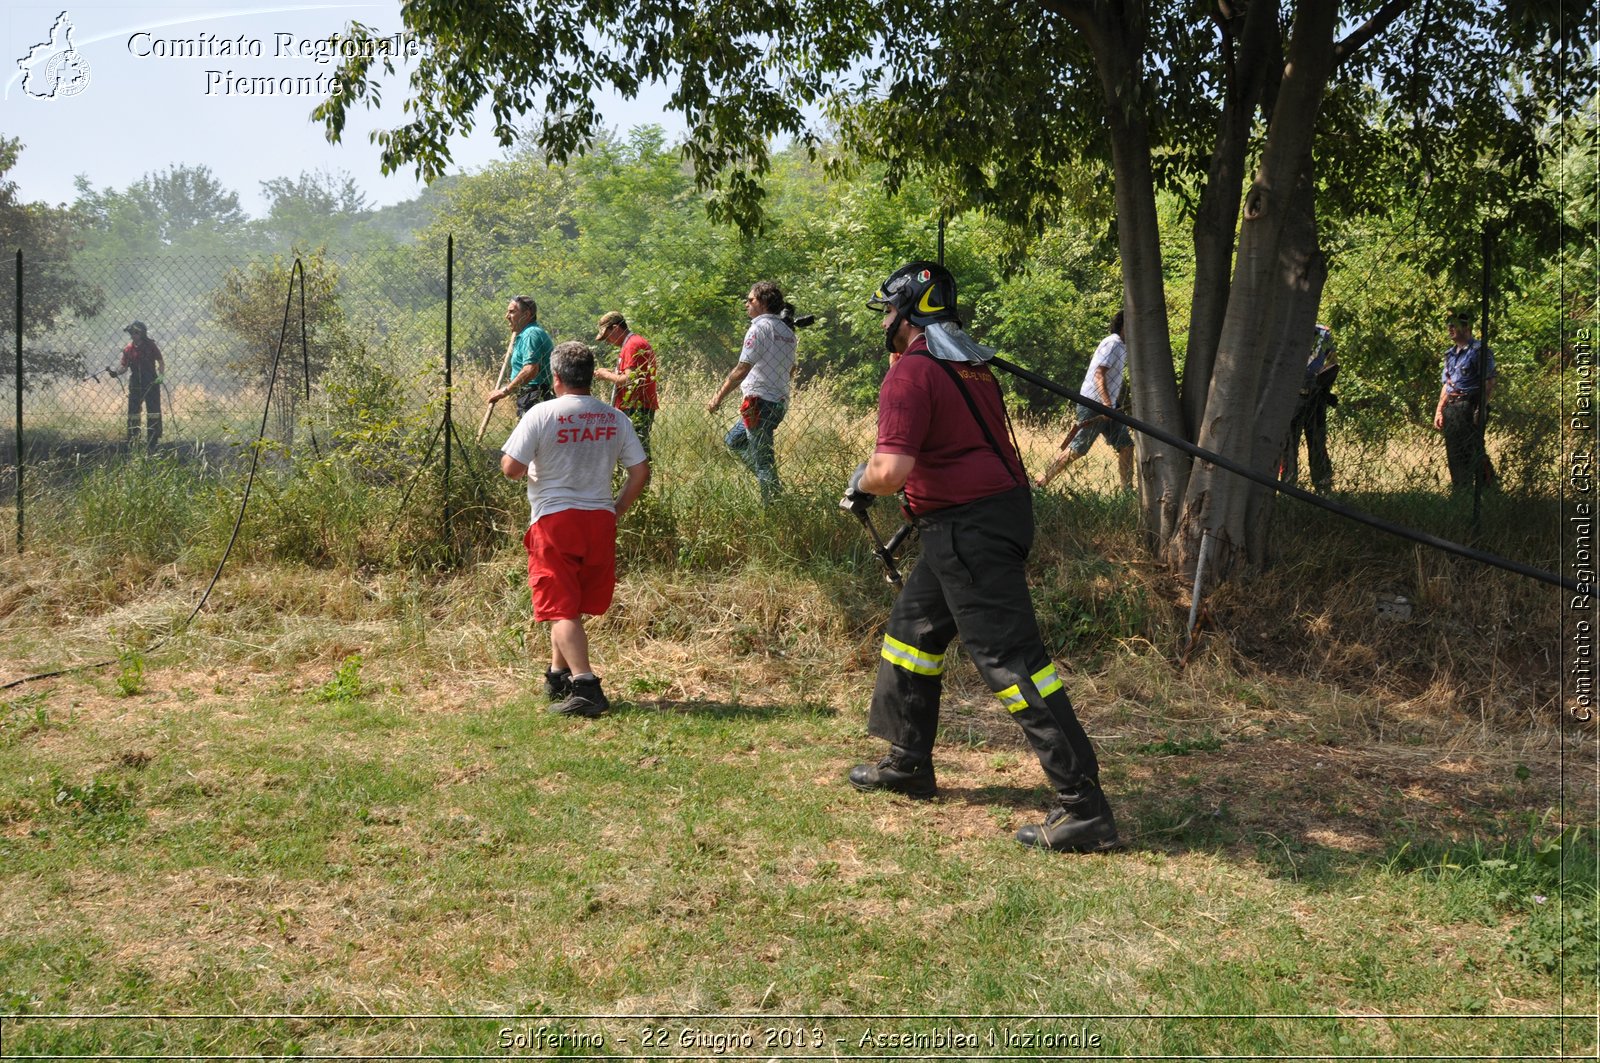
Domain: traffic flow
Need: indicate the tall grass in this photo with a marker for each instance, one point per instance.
(375, 501)
(150, 508)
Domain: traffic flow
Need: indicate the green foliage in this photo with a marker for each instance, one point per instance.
(365, 395)
(623, 228)
(1180, 747)
(321, 513)
(16, 1001)
(180, 207)
(1022, 118)
(99, 809)
(130, 673)
(1386, 311)
(1560, 936)
(287, 322)
(376, 428)
(1084, 602)
(262, 305)
(45, 236)
(1547, 884)
(318, 208)
(24, 715)
(346, 687)
(1052, 315)
(150, 506)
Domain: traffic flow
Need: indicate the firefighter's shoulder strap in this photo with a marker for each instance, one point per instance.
(977, 415)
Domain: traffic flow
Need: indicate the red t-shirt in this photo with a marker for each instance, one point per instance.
(921, 414)
(141, 353)
(640, 391)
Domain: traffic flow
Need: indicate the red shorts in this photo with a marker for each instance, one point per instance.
(572, 563)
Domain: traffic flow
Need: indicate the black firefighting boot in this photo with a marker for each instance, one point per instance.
(557, 685)
(1080, 822)
(586, 699)
(898, 772)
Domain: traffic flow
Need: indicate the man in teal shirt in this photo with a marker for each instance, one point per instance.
(530, 356)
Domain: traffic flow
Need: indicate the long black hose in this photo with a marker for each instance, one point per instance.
(1481, 556)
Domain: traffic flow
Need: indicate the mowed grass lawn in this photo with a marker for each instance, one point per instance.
(337, 804)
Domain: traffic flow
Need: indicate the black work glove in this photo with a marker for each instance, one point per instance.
(855, 499)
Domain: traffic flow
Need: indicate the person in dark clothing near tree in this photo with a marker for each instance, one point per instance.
(943, 437)
(1466, 385)
(145, 366)
(1311, 415)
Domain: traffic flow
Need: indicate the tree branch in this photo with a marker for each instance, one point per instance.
(1380, 21)
(1074, 10)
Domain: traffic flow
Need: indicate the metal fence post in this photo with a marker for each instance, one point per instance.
(20, 511)
(449, 337)
(1480, 464)
(1199, 580)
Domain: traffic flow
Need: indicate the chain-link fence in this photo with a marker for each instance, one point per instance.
(348, 354)
(219, 325)
(358, 353)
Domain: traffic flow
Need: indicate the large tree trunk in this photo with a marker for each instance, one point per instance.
(1116, 37)
(1253, 68)
(1252, 315)
(1253, 348)
(1302, 270)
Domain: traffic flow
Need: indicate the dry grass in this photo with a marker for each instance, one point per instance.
(1341, 702)
(1278, 789)
(698, 850)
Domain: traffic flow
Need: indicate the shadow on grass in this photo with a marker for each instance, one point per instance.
(727, 710)
(1316, 814)
(1021, 798)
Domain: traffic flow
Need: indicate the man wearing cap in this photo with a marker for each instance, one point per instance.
(635, 376)
(1468, 381)
(943, 437)
(530, 356)
(142, 359)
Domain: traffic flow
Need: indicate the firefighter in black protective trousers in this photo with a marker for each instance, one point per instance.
(943, 437)
(145, 366)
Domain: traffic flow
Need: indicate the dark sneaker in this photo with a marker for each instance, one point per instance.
(1075, 825)
(586, 699)
(896, 773)
(557, 685)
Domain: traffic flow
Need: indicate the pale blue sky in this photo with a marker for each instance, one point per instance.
(140, 111)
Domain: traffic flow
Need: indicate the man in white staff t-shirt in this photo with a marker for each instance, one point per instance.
(568, 447)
